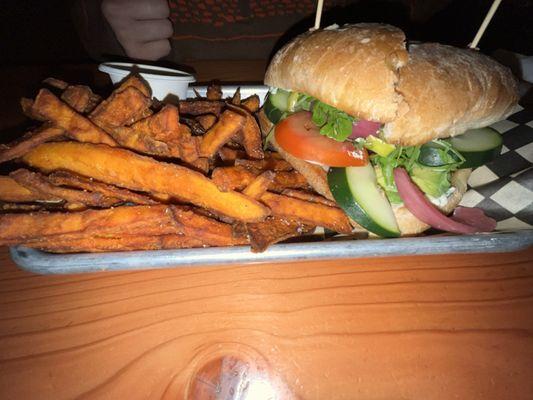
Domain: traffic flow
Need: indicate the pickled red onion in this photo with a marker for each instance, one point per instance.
(363, 128)
(474, 217)
(415, 201)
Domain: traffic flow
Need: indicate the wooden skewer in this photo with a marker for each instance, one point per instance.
(485, 23)
(318, 15)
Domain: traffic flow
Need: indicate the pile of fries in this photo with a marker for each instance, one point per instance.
(130, 173)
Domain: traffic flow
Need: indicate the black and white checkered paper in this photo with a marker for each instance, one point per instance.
(503, 188)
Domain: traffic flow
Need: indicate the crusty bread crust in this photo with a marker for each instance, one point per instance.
(448, 91)
(353, 68)
(435, 91)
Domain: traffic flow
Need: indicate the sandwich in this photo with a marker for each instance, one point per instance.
(389, 131)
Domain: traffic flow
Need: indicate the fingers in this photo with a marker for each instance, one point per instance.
(148, 31)
(141, 26)
(149, 51)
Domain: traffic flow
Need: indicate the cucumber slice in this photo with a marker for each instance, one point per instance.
(356, 191)
(276, 105)
(280, 99)
(478, 146)
(435, 155)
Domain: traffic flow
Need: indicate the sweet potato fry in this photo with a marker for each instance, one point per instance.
(57, 83)
(264, 123)
(30, 140)
(64, 178)
(259, 185)
(207, 120)
(214, 91)
(27, 108)
(307, 196)
(142, 142)
(161, 134)
(236, 98)
(135, 172)
(228, 126)
(12, 191)
(81, 98)
(251, 103)
(81, 226)
(48, 106)
(268, 163)
(164, 126)
(118, 221)
(310, 213)
(201, 164)
(147, 135)
(229, 154)
(288, 180)
(138, 83)
(95, 196)
(196, 128)
(237, 178)
(189, 146)
(208, 230)
(121, 108)
(232, 178)
(251, 138)
(39, 183)
(95, 244)
(273, 230)
(199, 107)
(184, 241)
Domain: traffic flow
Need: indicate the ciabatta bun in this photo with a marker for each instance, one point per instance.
(434, 91)
(353, 68)
(447, 91)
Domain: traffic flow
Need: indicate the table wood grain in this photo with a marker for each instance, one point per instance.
(426, 327)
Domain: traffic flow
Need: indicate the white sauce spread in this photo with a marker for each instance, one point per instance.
(442, 200)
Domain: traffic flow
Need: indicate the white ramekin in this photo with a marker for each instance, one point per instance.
(163, 81)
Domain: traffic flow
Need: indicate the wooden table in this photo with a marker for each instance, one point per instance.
(426, 327)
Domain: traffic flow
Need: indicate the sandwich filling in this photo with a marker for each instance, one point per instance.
(318, 133)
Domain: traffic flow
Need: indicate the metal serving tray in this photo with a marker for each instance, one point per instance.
(334, 249)
(46, 263)
(229, 90)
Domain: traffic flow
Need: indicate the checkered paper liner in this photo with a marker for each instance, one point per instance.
(503, 188)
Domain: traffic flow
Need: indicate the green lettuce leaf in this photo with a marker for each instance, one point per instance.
(433, 181)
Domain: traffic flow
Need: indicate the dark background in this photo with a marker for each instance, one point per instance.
(39, 39)
(43, 32)
(38, 32)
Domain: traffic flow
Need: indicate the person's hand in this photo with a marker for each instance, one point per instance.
(141, 26)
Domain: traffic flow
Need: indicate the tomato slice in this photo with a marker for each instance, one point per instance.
(300, 137)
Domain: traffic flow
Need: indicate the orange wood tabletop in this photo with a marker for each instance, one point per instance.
(426, 327)
(416, 327)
